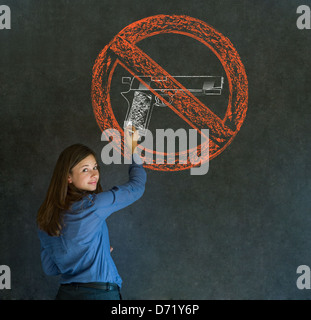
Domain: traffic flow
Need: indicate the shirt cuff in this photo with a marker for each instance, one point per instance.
(137, 159)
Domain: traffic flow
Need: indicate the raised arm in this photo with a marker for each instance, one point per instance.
(123, 195)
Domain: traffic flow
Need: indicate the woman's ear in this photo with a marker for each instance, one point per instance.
(69, 179)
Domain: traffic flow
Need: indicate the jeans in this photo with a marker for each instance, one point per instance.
(77, 292)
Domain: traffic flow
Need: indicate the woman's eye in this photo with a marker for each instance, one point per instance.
(84, 170)
(95, 168)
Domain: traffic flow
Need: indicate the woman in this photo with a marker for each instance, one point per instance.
(72, 227)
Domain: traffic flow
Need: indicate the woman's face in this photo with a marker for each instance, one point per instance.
(85, 175)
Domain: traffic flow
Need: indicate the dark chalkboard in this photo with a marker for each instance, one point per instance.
(238, 232)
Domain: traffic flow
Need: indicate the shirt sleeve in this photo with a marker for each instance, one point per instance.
(48, 265)
(122, 196)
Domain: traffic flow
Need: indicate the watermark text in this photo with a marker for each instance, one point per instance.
(165, 148)
(304, 20)
(5, 17)
(303, 281)
(5, 277)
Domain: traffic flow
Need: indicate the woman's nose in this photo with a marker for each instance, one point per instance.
(94, 173)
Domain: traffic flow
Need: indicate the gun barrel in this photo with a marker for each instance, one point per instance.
(208, 85)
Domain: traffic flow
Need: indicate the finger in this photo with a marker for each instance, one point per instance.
(136, 135)
(129, 129)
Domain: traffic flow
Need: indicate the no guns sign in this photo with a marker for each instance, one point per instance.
(123, 50)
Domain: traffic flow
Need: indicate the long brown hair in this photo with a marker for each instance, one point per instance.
(61, 194)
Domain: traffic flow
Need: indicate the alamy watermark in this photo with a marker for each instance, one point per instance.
(198, 159)
(304, 280)
(304, 20)
(5, 17)
(5, 277)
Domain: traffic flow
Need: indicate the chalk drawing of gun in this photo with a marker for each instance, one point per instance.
(141, 100)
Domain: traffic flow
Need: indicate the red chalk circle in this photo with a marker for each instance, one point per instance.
(122, 50)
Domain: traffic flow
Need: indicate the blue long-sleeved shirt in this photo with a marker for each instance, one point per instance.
(82, 252)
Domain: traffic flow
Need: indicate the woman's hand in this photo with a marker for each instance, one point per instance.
(131, 136)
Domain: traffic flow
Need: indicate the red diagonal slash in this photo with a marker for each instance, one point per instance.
(185, 104)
